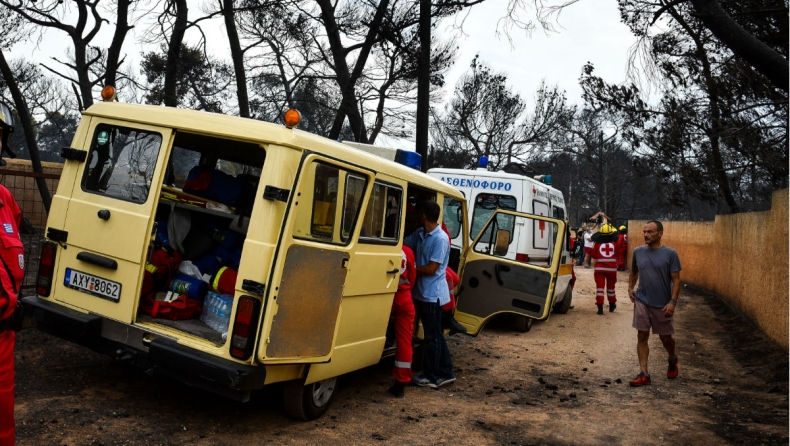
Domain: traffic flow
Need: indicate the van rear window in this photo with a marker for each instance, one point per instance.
(121, 162)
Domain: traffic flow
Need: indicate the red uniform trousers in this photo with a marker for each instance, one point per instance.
(605, 279)
(403, 313)
(7, 388)
(622, 255)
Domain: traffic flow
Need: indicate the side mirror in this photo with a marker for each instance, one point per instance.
(459, 214)
(502, 242)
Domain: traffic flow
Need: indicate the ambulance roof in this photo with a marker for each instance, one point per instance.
(233, 127)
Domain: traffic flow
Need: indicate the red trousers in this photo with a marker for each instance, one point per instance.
(7, 388)
(403, 311)
(605, 279)
(450, 306)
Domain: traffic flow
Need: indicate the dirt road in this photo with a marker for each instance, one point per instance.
(565, 382)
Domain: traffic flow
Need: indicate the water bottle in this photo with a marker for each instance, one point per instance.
(206, 305)
(215, 310)
(224, 313)
(211, 315)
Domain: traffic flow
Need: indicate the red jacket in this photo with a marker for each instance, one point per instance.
(408, 270)
(13, 254)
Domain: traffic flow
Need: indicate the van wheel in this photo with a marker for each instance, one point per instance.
(522, 324)
(565, 305)
(308, 402)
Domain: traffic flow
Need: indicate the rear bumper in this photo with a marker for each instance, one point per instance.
(164, 355)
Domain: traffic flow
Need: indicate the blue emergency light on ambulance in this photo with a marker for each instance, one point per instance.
(400, 156)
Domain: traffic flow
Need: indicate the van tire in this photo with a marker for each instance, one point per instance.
(308, 402)
(565, 305)
(522, 324)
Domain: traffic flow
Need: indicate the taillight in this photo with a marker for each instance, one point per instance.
(46, 268)
(524, 258)
(244, 327)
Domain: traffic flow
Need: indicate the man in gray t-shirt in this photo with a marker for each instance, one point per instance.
(657, 268)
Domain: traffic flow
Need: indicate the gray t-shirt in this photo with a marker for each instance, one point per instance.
(655, 268)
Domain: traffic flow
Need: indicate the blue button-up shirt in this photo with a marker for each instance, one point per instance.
(431, 247)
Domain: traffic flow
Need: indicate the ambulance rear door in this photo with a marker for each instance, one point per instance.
(109, 217)
(492, 283)
(538, 238)
(314, 254)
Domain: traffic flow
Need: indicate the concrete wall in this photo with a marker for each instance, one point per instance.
(742, 257)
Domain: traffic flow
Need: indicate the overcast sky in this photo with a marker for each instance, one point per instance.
(587, 31)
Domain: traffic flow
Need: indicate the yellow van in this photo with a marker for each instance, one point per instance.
(317, 229)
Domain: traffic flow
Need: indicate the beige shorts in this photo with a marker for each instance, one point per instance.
(646, 317)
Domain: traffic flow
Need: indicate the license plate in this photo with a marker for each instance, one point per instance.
(96, 286)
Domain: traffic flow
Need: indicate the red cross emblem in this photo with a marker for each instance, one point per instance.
(534, 191)
(607, 249)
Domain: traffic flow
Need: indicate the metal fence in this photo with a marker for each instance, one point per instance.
(22, 185)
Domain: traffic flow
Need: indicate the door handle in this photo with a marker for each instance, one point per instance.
(394, 271)
(499, 269)
(97, 260)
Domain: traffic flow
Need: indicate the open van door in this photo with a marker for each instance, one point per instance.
(492, 284)
(315, 253)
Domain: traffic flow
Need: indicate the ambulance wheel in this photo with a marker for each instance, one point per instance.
(308, 402)
(522, 324)
(565, 305)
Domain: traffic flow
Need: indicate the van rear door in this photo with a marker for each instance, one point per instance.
(491, 283)
(314, 254)
(109, 218)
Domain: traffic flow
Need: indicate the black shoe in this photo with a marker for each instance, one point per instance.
(612, 306)
(600, 309)
(455, 326)
(397, 390)
(449, 323)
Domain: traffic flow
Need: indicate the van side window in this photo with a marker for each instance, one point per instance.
(381, 223)
(558, 213)
(355, 191)
(331, 214)
(414, 196)
(452, 217)
(121, 162)
(485, 204)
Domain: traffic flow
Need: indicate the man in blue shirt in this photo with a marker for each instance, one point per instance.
(431, 248)
(657, 268)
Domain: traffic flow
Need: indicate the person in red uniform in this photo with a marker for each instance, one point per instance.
(622, 263)
(11, 274)
(604, 256)
(403, 312)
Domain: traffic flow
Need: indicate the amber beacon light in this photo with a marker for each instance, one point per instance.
(108, 93)
(292, 118)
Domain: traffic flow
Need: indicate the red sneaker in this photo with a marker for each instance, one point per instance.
(672, 370)
(640, 380)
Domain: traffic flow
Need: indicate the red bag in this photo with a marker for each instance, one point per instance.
(160, 270)
(179, 309)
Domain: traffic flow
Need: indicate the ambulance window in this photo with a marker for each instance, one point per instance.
(414, 196)
(355, 191)
(182, 161)
(485, 204)
(336, 199)
(558, 213)
(121, 162)
(452, 216)
(381, 222)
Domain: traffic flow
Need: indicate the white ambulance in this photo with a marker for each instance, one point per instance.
(486, 191)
